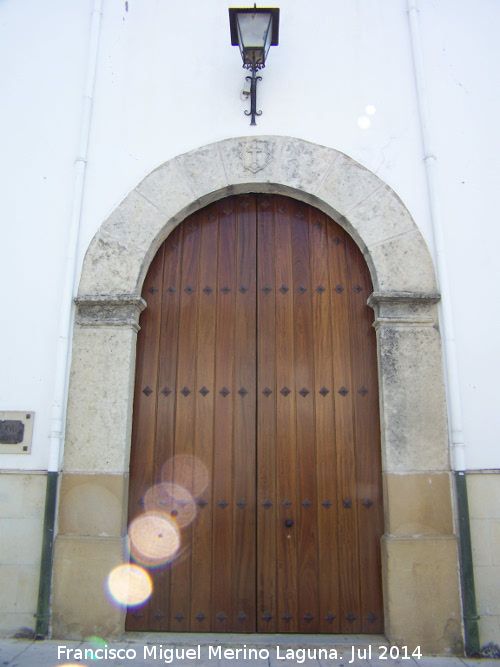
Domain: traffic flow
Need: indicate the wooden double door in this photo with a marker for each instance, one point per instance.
(256, 377)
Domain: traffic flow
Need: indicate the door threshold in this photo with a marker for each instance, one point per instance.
(258, 640)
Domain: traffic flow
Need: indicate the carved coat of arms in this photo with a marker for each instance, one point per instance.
(255, 155)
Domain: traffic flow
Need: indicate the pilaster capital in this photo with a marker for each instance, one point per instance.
(114, 310)
(404, 308)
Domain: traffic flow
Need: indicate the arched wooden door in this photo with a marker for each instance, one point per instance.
(256, 393)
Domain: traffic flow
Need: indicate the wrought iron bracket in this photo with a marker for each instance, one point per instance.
(253, 95)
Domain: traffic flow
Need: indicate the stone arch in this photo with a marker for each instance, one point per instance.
(419, 526)
(353, 196)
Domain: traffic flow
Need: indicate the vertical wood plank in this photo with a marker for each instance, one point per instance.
(267, 500)
(367, 439)
(324, 396)
(180, 584)
(223, 425)
(166, 398)
(306, 525)
(144, 425)
(286, 436)
(350, 621)
(204, 427)
(244, 443)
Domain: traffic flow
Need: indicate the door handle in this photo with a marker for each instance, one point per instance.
(288, 523)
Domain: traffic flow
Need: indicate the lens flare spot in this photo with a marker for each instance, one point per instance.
(186, 471)
(370, 109)
(172, 500)
(154, 539)
(129, 585)
(364, 122)
(97, 642)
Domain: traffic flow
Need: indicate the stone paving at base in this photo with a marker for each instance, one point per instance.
(217, 651)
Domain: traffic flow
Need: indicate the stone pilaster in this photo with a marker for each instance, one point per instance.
(99, 415)
(94, 482)
(419, 550)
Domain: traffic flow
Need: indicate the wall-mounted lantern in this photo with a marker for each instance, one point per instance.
(254, 31)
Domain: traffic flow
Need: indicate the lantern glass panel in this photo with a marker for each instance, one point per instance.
(254, 33)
